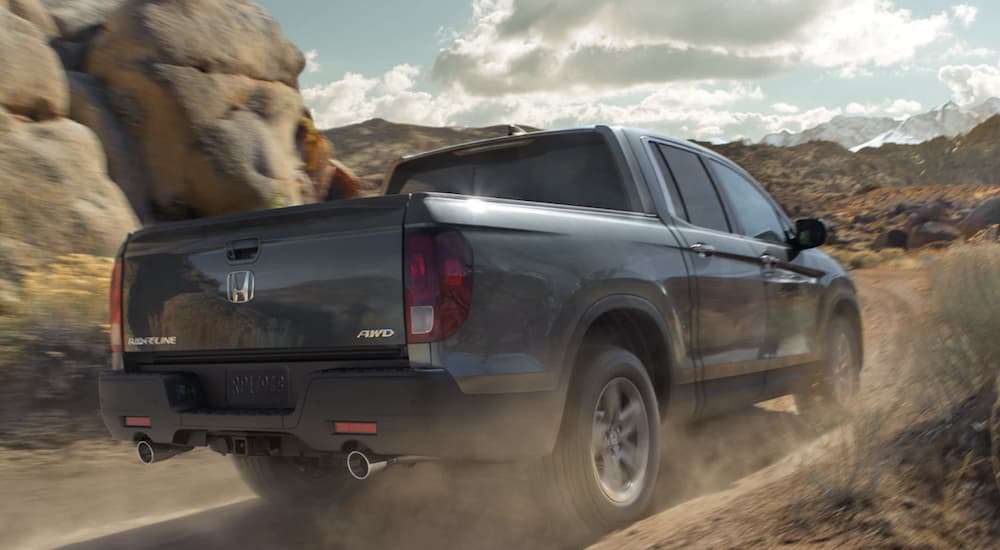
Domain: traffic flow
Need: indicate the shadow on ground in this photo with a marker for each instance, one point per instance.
(486, 506)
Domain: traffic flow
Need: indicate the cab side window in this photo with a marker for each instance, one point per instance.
(756, 214)
(699, 201)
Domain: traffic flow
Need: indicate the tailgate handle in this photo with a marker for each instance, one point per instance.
(243, 250)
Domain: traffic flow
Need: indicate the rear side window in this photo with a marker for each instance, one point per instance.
(575, 169)
(701, 201)
(755, 213)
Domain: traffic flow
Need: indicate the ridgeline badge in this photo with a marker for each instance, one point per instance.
(153, 341)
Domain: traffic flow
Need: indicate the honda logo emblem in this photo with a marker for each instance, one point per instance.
(239, 287)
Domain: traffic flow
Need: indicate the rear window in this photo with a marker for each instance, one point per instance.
(576, 169)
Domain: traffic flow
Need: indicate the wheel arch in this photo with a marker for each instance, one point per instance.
(633, 323)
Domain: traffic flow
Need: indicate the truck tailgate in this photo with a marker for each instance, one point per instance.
(321, 278)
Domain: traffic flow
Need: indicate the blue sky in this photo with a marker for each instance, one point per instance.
(707, 69)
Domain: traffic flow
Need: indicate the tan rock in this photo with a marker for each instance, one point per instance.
(89, 106)
(215, 36)
(34, 12)
(54, 193)
(990, 234)
(32, 82)
(75, 18)
(208, 91)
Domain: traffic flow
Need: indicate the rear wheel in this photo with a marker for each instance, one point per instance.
(289, 480)
(836, 389)
(604, 468)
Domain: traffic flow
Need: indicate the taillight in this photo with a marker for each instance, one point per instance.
(115, 308)
(438, 284)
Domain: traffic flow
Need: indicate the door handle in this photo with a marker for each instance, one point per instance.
(768, 260)
(702, 249)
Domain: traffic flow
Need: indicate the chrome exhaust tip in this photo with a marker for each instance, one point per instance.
(359, 466)
(149, 452)
(145, 452)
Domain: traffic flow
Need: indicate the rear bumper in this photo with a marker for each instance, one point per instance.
(417, 413)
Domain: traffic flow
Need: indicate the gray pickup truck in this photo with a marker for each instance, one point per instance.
(552, 296)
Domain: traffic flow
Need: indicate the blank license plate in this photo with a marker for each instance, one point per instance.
(257, 387)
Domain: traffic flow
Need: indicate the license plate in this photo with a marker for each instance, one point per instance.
(257, 387)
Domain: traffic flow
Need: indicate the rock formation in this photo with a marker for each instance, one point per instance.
(55, 194)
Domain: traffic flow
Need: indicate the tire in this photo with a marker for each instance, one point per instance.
(299, 481)
(834, 392)
(595, 434)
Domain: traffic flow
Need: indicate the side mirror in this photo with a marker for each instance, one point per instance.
(810, 233)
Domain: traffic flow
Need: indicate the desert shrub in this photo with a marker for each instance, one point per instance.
(64, 297)
(852, 477)
(71, 290)
(957, 342)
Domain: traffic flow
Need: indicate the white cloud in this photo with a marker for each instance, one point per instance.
(785, 108)
(312, 61)
(903, 107)
(355, 98)
(961, 49)
(965, 13)
(895, 108)
(687, 110)
(869, 33)
(971, 83)
(518, 46)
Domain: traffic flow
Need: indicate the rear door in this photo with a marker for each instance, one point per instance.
(728, 291)
(793, 293)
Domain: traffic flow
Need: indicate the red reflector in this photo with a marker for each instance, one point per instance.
(355, 428)
(138, 421)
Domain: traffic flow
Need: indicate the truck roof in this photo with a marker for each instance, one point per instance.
(631, 131)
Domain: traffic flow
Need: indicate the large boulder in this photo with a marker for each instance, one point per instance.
(90, 106)
(929, 233)
(32, 82)
(930, 212)
(891, 239)
(982, 217)
(33, 12)
(55, 195)
(76, 19)
(207, 89)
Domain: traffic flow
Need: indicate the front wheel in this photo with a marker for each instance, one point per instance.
(287, 480)
(604, 468)
(837, 388)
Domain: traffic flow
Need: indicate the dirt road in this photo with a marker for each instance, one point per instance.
(93, 496)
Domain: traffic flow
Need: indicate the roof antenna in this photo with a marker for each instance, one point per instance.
(515, 130)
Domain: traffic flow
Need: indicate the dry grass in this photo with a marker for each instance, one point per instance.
(72, 289)
(856, 463)
(957, 351)
(67, 296)
(958, 342)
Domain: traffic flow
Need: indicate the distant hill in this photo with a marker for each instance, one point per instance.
(370, 147)
(972, 158)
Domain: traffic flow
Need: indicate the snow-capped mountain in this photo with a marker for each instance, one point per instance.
(845, 130)
(856, 133)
